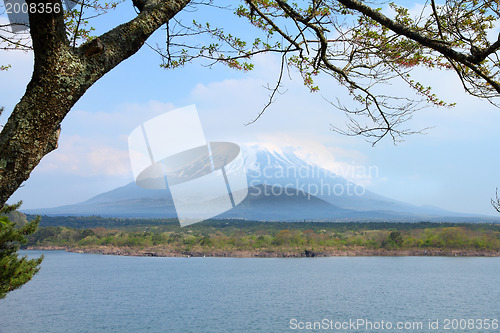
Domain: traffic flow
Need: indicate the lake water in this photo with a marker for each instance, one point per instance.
(96, 293)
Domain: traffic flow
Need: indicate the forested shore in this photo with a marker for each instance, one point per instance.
(230, 238)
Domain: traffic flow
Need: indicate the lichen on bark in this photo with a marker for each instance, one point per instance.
(61, 76)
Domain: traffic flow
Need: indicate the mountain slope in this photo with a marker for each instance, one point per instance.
(285, 169)
(282, 187)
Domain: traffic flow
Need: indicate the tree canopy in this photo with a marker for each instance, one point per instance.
(361, 45)
(15, 271)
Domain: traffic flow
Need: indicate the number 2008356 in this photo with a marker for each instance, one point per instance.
(32, 8)
(465, 324)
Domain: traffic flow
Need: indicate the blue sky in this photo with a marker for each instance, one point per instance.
(454, 166)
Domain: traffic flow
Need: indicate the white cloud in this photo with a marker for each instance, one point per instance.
(86, 157)
(350, 164)
(96, 143)
(123, 118)
(227, 106)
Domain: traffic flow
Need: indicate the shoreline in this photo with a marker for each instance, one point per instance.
(267, 253)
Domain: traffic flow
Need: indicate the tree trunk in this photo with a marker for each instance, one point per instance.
(61, 75)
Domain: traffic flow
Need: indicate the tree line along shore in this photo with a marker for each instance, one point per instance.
(236, 238)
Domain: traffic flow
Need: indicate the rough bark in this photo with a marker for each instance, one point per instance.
(61, 75)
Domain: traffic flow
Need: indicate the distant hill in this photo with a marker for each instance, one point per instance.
(18, 218)
(283, 187)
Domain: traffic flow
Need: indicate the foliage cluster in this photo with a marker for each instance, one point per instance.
(15, 271)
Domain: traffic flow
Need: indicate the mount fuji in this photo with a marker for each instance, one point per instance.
(282, 187)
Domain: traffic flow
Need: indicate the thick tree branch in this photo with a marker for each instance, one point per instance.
(404, 31)
(126, 39)
(480, 55)
(468, 60)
